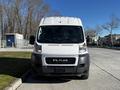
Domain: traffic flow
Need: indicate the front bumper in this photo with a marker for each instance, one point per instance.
(82, 66)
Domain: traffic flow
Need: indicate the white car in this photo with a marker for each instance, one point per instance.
(60, 48)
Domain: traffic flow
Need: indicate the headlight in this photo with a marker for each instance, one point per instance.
(82, 48)
(37, 48)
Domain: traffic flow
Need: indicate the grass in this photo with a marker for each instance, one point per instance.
(13, 65)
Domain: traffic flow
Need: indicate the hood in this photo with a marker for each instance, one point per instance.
(60, 49)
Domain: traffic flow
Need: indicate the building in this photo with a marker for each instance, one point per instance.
(106, 40)
(92, 40)
(14, 40)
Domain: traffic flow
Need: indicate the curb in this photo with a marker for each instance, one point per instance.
(25, 75)
(14, 85)
(17, 82)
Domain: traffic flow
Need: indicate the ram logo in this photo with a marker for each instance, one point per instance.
(60, 60)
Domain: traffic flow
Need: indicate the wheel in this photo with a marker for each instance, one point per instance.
(36, 75)
(84, 76)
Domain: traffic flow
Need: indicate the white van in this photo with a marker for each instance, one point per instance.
(60, 48)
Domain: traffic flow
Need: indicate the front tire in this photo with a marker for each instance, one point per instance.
(84, 76)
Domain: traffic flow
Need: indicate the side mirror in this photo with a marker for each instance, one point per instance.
(32, 40)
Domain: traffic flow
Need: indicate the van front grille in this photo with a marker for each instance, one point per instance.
(60, 60)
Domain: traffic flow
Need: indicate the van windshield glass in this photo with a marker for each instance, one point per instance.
(60, 34)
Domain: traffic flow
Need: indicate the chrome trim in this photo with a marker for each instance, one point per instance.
(45, 64)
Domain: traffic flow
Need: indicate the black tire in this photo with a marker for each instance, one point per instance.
(33, 71)
(36, 75)
(84, 76)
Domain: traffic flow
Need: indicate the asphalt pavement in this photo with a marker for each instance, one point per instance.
(104, 75)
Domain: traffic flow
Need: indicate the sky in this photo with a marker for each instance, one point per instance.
(91, 12)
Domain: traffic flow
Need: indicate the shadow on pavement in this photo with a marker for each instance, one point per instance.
(47, 80)
(15, 67)
(33, 78)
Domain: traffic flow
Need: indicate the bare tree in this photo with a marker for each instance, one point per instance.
(112, 25)
(98, 30)
(9, 16)
(35, 11)
(0, 24)
(90, 32)
(94, 33)
(23, 16)
(17, 14)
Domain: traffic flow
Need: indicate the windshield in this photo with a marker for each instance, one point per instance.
(60, 34)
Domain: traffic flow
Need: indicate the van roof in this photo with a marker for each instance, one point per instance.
(50, 21)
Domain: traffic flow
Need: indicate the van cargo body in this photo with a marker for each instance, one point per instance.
(60, 48)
